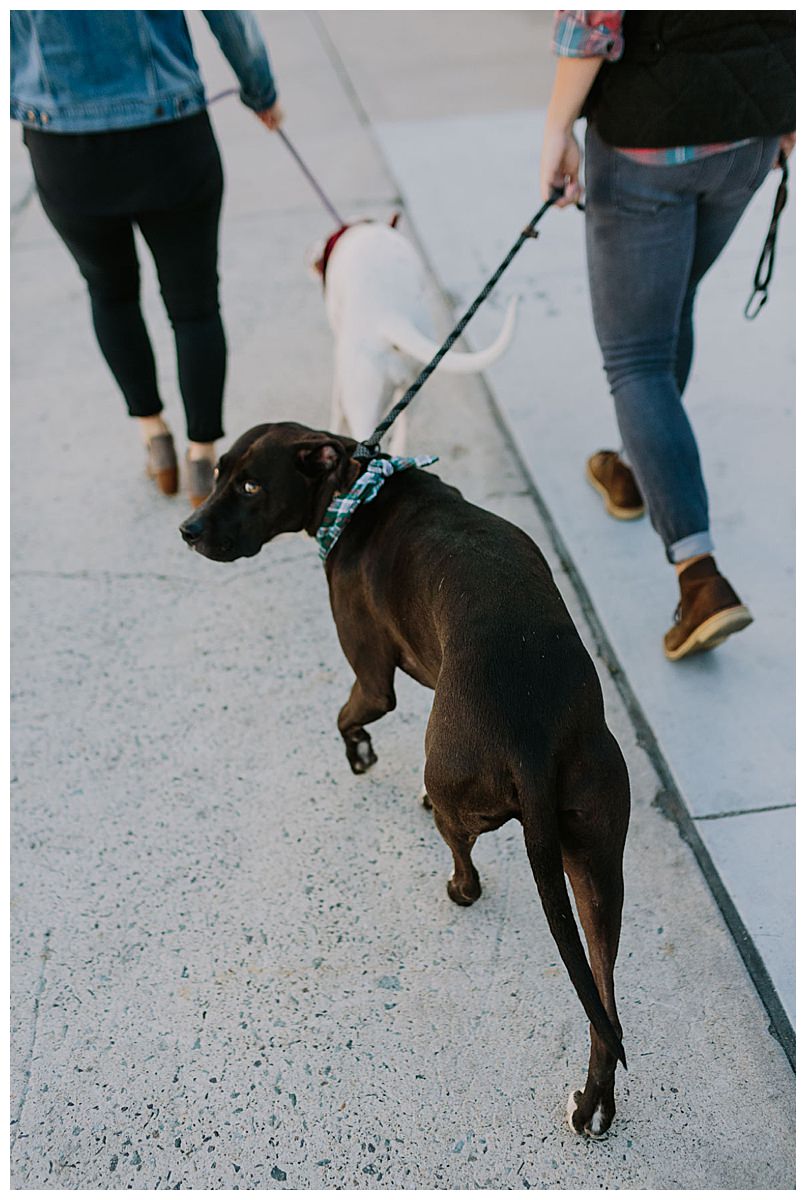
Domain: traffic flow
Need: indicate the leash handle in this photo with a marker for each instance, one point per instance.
(369, 448)
(312, 180)
(220, 95)
(766, 262)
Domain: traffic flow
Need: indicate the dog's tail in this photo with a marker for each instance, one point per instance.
(543, 847)
(404, 334)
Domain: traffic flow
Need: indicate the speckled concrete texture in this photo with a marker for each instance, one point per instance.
(234, 964)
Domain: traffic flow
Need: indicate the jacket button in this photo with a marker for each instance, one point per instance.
(44, 118)
(31, 115)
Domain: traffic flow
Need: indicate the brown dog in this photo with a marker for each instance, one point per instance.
(463, 602)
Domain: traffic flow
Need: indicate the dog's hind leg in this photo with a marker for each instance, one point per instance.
(592, 838)
(457, 797)
(463, 886)
(366, 392)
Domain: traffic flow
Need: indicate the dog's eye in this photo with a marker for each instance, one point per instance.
(251, 488)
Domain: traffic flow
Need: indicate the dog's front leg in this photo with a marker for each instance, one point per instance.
(363, 706)
(338, 422)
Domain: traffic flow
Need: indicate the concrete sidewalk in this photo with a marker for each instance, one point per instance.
(234, 964)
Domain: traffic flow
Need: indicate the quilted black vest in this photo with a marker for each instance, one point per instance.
(688, 78)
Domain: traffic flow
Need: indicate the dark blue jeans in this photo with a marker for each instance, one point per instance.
(652, 234)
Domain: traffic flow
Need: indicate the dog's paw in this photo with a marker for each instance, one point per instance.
(361, 756)
(595, 1127)
(466, 895)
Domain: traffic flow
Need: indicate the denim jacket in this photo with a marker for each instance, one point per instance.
(81, 71)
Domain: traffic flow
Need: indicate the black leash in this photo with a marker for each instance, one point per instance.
(766, 262)
(371, 447)
(284, 138)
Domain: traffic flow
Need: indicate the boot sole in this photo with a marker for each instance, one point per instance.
(166, 479)
(615, 510)
(712, 632)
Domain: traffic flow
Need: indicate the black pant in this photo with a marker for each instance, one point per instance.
(166, 179)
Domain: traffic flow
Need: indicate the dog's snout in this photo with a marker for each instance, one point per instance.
(191, 530)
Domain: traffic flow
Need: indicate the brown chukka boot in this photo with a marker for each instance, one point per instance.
(709, 611)
(615, 483)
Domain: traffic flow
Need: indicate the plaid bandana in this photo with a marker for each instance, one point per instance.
(365, 488)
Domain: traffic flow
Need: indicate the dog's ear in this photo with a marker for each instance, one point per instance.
(319, 458)
(330, 468)
(327, 459)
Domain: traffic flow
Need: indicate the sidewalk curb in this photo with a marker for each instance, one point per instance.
(668, 800)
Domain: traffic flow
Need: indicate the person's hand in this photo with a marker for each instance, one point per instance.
(787, 144)
(560, 160)
(272, 117)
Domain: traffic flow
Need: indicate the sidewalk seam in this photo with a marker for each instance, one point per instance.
(744, 812)
(40, 987)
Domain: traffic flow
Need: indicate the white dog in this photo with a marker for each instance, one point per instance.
(376, 293)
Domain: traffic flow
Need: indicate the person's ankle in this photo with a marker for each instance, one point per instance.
(200, 450)
(152, 427)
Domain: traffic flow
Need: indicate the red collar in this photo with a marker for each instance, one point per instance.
(321, 263)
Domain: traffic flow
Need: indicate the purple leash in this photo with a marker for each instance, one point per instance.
(296, 156)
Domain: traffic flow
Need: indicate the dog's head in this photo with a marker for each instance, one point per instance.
(275, 479)
(319, 253)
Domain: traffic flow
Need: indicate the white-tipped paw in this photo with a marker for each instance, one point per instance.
(594, 1129)
(363, 752)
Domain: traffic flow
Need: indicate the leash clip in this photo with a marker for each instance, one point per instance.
(766, 263)
(751, 311)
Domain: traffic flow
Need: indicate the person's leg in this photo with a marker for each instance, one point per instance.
(720, 189)
(71, 172)
(103, 249)
(728, 184)
(183, 239)
(641, 236)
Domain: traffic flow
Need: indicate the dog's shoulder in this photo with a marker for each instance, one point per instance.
(375, 240)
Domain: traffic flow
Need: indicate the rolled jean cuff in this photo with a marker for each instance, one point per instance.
(689, 547)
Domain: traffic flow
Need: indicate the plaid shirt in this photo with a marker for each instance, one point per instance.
(365, 488)
(596, 33)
